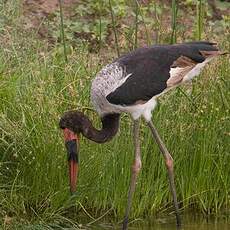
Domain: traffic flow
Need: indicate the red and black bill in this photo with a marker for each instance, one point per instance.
(72, 145)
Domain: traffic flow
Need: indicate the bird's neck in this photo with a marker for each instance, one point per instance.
(110, 125)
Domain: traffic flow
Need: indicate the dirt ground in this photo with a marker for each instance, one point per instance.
(36, 11)
(44, 7)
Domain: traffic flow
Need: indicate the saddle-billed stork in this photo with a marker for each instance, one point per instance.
(132, 84)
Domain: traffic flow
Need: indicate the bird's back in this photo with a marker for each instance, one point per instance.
(139, 76)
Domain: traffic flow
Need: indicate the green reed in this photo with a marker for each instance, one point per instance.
(136, 23)
(62, 32)
(200, 10)
(114, 28)
(174, 10)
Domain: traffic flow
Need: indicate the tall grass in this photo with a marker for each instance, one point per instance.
(33, 162)
(37, 86)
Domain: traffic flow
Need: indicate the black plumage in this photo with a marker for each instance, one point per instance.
(149, 68)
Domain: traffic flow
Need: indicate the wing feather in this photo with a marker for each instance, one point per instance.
(153, 69)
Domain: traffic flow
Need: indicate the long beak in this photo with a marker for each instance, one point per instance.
(72, 145)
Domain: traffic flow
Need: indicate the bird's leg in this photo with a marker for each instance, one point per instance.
(134, 171)
(169, 165)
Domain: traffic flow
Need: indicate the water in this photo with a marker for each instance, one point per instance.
(186, 226)
(189, 222)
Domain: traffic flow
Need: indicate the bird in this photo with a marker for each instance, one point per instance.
(132, 84)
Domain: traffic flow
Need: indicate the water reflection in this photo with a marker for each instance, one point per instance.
(168, 223)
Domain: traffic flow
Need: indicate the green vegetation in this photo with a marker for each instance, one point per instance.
(37, 85)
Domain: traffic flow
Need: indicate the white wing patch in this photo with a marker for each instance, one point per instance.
(177, 74)
(185, 69)
(196, 70)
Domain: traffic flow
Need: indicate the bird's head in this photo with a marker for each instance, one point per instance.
(73, 120)
(72, 123)
(75, 123)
